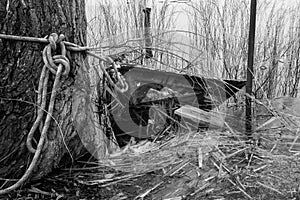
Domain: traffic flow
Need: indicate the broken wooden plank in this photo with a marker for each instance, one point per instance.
(197, 115)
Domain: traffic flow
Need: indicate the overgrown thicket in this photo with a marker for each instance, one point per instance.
(222, 32)
(215, 43)
(118, 28)
(117, 21)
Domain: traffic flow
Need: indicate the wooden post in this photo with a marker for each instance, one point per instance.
(147, 27)
(250, 67)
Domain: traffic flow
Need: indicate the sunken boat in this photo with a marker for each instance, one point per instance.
(147, 108)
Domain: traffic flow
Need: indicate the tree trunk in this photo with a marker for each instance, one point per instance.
(20, 68)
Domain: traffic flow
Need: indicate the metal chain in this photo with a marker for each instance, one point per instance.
(58, 65)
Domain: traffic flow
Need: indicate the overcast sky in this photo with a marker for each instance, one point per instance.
(180, 7)
(181, 18)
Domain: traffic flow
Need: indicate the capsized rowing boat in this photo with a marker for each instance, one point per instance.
(147, 107)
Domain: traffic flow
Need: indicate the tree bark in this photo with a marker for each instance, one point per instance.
(20, 67)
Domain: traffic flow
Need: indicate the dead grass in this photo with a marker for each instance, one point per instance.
(211, 165)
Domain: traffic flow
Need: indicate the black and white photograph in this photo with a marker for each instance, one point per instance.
(150, 99)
